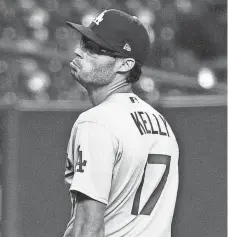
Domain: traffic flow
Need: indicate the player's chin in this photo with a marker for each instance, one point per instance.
(77, 78)
(74, 73)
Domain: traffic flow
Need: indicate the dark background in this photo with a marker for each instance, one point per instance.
(35, 201)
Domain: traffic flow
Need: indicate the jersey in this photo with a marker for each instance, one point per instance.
(124, 154)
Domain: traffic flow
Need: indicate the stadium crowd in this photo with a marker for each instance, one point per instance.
(36, 45)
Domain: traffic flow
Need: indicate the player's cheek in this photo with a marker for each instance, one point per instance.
(88, 67)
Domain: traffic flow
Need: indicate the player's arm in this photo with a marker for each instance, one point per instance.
(94, 156)
(89, 218)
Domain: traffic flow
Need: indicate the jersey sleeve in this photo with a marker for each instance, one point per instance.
(94, 158)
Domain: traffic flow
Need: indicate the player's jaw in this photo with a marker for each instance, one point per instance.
(93, 72)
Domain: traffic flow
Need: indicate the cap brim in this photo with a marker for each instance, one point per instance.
(88, 33)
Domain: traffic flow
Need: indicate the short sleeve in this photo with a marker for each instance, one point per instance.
(94, 158)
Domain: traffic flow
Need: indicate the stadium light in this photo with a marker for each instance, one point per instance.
(147, 84)
(206, 78)
(38, 83)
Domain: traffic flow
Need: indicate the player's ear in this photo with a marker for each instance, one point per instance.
(125, 65)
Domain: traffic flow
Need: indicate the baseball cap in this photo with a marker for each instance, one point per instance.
(118, 31)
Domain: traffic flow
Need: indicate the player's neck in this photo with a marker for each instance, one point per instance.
(100, 94)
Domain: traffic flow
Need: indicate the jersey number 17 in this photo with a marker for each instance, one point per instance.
(151, 202)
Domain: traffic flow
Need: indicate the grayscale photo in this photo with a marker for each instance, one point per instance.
(113, 118)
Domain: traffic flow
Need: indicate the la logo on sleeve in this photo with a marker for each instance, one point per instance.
(80, 162)
(99, 18)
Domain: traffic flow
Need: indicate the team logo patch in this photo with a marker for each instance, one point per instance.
(99, 18)
(80, 163)
(127, 47)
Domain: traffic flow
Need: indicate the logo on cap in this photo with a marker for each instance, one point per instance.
(127, 47)
(99, 18)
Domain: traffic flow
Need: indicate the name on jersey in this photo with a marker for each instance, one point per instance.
(150, 123)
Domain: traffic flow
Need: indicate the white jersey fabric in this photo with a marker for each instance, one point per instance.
(123, 153)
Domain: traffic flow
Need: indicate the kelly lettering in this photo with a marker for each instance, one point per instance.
(165, 123)
(159, 127)
(144, 122)
(138, 123)
(151, 125)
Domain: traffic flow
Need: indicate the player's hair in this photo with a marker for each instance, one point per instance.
(135, 73)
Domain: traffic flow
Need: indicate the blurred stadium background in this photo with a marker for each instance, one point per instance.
(188, 47)
(185, 77)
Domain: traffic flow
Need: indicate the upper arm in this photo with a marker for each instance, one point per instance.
(94, 159)
(93, 154)
(89, 217)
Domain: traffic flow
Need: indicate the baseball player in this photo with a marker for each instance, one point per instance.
(122, 163)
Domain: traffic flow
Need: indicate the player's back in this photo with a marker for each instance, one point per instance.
(145, 174)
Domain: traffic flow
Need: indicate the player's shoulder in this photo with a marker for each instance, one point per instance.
(96, 120)
(99, 114)
(150, 108)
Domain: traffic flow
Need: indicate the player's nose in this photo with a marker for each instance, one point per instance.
(78, 52)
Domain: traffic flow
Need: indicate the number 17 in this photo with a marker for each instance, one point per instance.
(151, 202)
